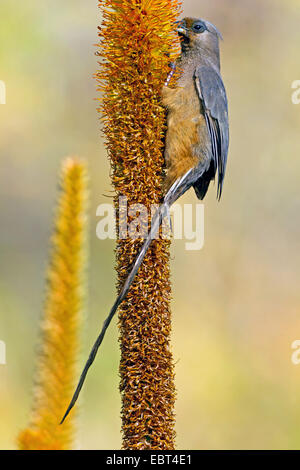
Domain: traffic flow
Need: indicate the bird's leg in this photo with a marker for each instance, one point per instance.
(171, 73)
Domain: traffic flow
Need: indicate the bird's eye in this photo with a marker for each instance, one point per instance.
(199, 27)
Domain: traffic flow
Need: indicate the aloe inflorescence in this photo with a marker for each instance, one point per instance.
(137, 44)
(57, 363)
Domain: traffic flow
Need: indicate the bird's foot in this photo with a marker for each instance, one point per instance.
(171, 73)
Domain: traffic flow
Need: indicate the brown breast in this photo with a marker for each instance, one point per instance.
(186, 131)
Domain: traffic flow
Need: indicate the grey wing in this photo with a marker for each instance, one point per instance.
(212, 93)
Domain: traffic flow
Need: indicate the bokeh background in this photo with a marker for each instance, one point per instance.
(236, 302)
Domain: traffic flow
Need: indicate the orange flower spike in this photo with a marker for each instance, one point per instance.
(137, 44)
(59, 344)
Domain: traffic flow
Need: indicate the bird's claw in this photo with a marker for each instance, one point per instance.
(171, 73)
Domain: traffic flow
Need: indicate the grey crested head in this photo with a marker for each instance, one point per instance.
(199, 35)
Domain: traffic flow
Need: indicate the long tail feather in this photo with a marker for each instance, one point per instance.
(177, 189)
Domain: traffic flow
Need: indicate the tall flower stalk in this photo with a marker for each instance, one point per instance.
(137, 44)
(57, 372)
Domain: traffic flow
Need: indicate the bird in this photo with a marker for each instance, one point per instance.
(196, 141)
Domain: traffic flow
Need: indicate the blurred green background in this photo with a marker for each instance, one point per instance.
(236, 302)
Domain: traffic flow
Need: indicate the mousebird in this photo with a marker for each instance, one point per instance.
(197, 138)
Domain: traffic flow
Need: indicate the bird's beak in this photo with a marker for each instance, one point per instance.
(181, 30)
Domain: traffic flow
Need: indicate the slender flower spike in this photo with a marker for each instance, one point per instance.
(137, 45)
(59, 344)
